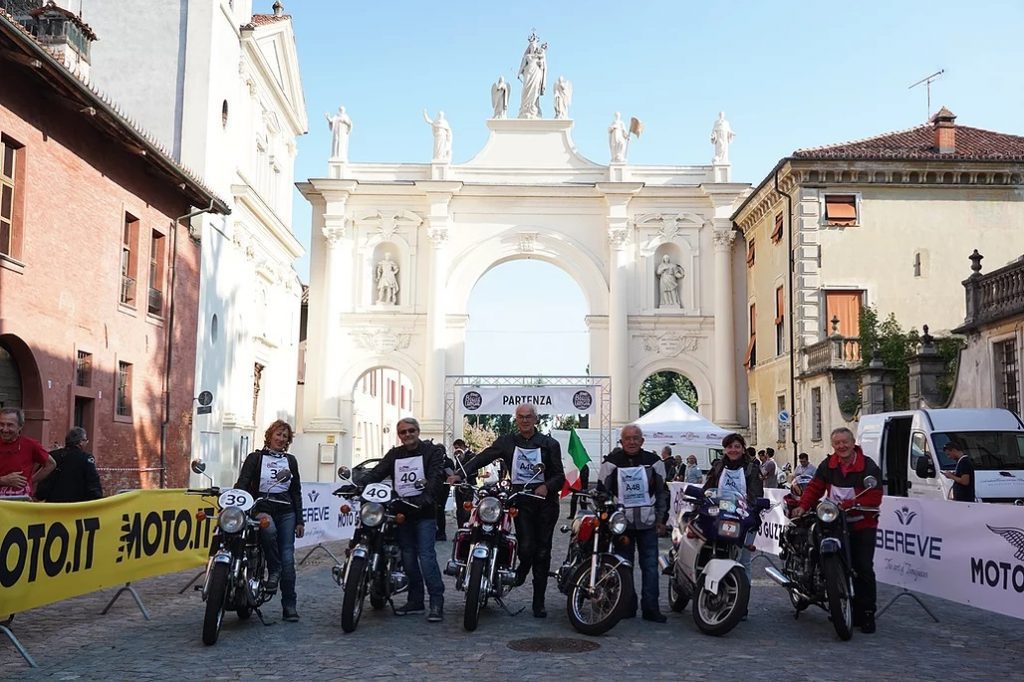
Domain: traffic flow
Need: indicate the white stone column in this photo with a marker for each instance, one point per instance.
(439, 196)
(725, 330)
(618, 321)
(337, 297)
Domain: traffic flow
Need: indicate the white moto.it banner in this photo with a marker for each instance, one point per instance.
(321, 514)
(965, 552)
(547, 399)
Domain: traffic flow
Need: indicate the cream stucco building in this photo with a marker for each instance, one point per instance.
(886, 222)
(527, 194)
(228, 102)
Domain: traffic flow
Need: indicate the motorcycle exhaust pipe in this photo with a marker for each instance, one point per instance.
(777, 576)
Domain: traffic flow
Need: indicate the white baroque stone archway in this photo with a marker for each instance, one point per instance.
(527, 194)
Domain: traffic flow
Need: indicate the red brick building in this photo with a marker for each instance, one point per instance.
(99, 275)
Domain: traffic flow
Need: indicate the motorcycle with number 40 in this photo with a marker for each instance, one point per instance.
(817, 569)
(597, 582)
(704, 562)
(373, 564)
(236, 573)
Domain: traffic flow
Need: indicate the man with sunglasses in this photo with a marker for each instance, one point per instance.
(413, 461)
(535, 524)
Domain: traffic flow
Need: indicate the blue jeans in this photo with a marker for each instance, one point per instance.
(278, 540)
(646, 543)
(416, 540)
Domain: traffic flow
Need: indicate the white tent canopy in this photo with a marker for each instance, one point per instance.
(676, 423)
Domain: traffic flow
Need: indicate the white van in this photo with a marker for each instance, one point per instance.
(908, 448)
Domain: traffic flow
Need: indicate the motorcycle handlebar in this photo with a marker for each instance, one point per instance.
(203, 491)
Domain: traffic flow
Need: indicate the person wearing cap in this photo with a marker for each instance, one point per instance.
(963, 475)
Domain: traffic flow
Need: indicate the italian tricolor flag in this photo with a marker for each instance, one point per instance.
(573, 460)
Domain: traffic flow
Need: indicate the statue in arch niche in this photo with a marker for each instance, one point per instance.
(387, 281)
(669, 276)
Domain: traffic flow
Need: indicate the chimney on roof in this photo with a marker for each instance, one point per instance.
(278, 8)
(945, 131)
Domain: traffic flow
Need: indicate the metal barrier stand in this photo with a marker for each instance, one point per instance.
(135, 595)
(5, 627)
(321, 547)
(904, 592)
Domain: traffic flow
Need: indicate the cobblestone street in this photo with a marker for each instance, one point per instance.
(70, 640)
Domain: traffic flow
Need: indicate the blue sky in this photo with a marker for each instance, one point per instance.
(787, 74)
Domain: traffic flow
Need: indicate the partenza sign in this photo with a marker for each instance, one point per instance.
(547, 399)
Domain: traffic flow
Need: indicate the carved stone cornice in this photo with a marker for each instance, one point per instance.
(381, 340)
(669, 344)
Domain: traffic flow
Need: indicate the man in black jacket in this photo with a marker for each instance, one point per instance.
(637, 479)
(407, 465)
(75, 479)
(535, 524)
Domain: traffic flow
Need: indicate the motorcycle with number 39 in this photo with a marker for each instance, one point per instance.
(818, 569)
(704, 562)
(373, 564)
(597, 582)
(236, 572)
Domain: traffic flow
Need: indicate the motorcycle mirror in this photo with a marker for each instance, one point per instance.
(870, 482)
(344, 472)
(419, 484)
(198, 466)
(538, 468)
(283, 475)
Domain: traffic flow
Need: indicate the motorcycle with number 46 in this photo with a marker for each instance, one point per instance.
(817, 569)
(704, 562)
(373, 563)
(236, 573)
(484, 552)
(597, 582)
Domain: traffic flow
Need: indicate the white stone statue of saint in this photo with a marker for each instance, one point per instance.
(387, 281)
(669, 277)
(563, 97)
(340, 125)
(721, 136)
(618, 139)
(442, 137)
(499, 97)
(533, 72)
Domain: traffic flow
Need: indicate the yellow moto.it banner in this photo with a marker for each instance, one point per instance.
(50, 552)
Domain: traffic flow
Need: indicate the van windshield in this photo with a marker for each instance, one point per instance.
(988, 450)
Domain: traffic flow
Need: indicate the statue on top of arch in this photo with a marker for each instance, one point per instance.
(387, 281)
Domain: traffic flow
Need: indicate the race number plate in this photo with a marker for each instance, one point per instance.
(236, 497)
(377, 492)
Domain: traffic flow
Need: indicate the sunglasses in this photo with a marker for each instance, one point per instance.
(406, 432)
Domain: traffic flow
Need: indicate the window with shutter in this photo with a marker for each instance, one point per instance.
(840, 209)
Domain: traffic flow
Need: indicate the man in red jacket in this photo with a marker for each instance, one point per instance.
(841, 478)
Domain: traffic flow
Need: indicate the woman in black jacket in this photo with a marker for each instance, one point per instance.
(736, 471)
(281, 502)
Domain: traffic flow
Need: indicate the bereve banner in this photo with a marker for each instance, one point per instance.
(50, 552)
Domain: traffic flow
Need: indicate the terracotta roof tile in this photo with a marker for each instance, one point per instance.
(972, 144)
(265, 19)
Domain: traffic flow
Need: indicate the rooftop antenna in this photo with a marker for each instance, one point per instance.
(927, 81)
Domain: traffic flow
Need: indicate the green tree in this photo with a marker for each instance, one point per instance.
(477, 436)
(659, 386)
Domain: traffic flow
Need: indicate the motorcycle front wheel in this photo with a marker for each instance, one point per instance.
(677, 596)
(837, 586)
(215, 603)
(355, 593)
(474, 596)
(717, 614)
(594, 611)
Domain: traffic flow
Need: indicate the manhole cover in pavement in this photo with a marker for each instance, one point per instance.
(553, 645)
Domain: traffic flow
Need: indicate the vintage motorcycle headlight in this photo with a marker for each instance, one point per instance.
(617, 523)
(371, 514)
(231, 520)
(489, 510)
(827, 511)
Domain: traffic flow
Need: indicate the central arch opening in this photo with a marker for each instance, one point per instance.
(527, 317)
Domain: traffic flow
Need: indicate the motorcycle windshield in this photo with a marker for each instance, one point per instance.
(727, 501)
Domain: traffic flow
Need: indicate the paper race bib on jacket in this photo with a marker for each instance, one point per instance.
(523, 462)
(409, 470)
(734, 479)
(271, 472)
(633, 488)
